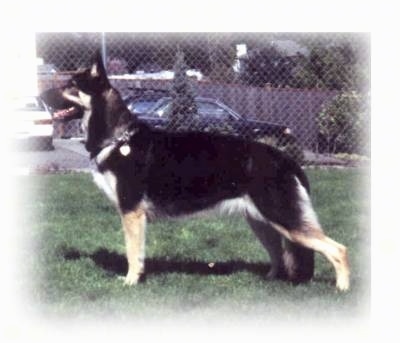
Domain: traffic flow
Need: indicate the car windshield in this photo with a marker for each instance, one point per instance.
(28, 103)
(205, 108)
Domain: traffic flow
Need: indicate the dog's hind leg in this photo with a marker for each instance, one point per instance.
(286, 205)
(298, 262)
(272, 242)
(294, 262)
(314, 238)
(134, 226)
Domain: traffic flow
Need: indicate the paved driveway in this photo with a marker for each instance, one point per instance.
(68, 155)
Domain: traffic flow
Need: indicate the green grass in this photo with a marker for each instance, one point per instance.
(79, 254)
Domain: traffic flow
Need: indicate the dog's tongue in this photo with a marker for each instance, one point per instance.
(65, 113)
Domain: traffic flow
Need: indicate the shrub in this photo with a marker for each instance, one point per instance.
(343, 124)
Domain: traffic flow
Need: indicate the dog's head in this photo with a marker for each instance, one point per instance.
(105, 115)
(76, 94)
(86, 84)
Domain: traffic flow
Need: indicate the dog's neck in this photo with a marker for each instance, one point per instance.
(109, 119)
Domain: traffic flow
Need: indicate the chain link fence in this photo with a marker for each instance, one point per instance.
(307, 94)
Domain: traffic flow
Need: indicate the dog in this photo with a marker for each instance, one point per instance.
(147, 173)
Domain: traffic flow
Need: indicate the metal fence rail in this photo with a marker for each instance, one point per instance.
(315, 84)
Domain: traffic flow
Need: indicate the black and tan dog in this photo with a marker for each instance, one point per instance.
(146, 172)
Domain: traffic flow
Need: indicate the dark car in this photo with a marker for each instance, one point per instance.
(214, 114)
(154, 108)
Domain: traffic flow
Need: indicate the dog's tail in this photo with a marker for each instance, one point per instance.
(301, 176)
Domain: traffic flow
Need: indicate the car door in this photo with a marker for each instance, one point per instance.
(216, 117)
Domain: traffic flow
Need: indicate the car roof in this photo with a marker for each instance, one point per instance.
(145, 92)
(202, 98)
(138, 91)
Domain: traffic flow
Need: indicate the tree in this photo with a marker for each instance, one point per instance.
(184, 110)
(331, 66)
(266, 66)
(221, 57)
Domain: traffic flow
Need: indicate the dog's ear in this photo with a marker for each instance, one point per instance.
(97, 69)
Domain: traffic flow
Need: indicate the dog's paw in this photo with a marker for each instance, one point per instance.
(343, 283)
(132, 278)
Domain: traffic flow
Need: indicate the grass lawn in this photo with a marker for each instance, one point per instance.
(198, 267)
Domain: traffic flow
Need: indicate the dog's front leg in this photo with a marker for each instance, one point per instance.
(134, 226)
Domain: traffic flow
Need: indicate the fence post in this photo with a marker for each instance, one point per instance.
(104, 48)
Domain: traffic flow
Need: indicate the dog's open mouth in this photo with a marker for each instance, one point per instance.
(67, 114)
(61, 101)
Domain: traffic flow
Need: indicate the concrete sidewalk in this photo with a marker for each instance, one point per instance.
(314, 159)
(68, 155)
(74, 145)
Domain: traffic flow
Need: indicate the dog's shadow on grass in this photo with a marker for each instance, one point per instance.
(115, 263)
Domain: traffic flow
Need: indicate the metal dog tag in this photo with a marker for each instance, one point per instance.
(125, 149)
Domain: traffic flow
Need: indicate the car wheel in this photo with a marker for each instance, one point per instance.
(269, 140)
(45, 143)
(289, 147)
(294, 151)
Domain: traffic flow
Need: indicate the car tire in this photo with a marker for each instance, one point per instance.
(290, 148)
(45, 144)
(269, 140)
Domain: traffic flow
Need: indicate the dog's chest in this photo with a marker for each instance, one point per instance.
(86, 102)
(107, 182)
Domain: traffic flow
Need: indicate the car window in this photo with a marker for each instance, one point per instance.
(205, 108)
(141, 106)
(212, 110)
(164, 109)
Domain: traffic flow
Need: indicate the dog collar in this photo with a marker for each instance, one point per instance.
(121, 143)
(126, 136)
